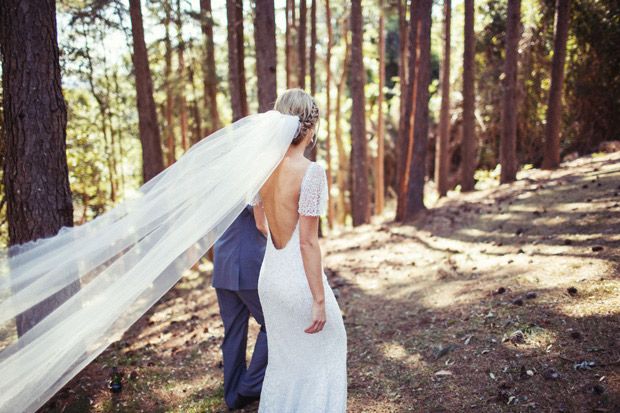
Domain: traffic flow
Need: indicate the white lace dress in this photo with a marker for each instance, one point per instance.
(305, 372)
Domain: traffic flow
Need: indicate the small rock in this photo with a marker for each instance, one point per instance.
(567, 242)
(550, 374)
(519, 231)
(500, 290)
(518, 302)
(589, 200)
(572, 290)
(531, 295)
(597, 248)
(520, 251)
(517, 337)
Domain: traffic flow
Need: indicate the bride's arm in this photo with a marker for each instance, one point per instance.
(311, 256)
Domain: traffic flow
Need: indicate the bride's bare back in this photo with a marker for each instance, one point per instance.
(280, 197)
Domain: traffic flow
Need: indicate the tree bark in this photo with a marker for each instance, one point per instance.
(415, 188)
(152, 155)
(554, 109)
(210, 82)
(312, 68)
(405, 133)
(359, 166)
(330, 43)
(468, 154)
(508, 140)
(379, 179)
(342, 178)
(170, 146)
(236, 55)
(301, 44)
(442, 153)
(36, 177)
(266, 59)
(403, 34)
(182, 80)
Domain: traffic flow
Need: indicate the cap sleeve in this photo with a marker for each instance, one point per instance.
(313, 194)
(256, 201)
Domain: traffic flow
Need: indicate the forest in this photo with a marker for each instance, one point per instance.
(432, 112)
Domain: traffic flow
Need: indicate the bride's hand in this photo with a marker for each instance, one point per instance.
(318, 318)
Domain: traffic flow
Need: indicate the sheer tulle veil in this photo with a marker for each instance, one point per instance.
(122, 262)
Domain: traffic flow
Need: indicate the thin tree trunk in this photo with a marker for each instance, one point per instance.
(236, 71)
(359, 166)
(301, 44)
(121, 156)
(170, 147)
(508, 140)
(330, 42)
(288, 41)
(266, 57)
(403, 59)
(343, 161)
(195, 108)
(442, 152)
(36, 176)
(379, 184)
(417, 175)
(554, 109)
(468, 160)
(182, 80)
(313, 151)
(210, 82)
(405, 133)
(152, 155)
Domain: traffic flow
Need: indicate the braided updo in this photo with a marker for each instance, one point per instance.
(299, 103)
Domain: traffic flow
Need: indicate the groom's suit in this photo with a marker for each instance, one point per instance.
(237, 258)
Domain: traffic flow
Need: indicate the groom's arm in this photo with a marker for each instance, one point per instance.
(259, 218)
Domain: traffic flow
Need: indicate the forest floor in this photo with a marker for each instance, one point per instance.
(504, 299)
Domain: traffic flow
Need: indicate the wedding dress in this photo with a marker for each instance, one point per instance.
(306, 372)
(125, 260)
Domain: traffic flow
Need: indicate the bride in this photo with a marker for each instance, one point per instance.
(124, 261)
(307, 366)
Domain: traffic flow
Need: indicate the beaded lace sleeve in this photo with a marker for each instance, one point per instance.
(257, 199)
(313, 194)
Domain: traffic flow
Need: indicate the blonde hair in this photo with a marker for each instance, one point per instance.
(297, 102)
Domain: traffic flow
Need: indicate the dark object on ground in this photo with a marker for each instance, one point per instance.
(500, 290)
(439, 352)
(550, 374)
(116, 386)
(519, 231)
(598, 389)
(523, 374)
(575, 335)
(531, 295)
(518, 302)
(517, 337)
(567, 242)
(597, 248)
(572, 290)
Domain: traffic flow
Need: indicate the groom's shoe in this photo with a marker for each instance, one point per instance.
(243, 401)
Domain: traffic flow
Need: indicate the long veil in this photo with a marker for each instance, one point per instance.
(122, 262)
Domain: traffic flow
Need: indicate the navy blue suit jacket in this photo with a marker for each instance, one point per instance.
(238, 254)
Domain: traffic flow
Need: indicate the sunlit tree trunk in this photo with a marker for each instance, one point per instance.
(301, 44)
(359, 166)
(182, 80)
(468, 154)
(379, 179)
(152, 156)
(210, 81)
(403, 60)
(554, 108)
(266, 58)
(170, 146)
(236, 53)
(36, 176)
(342, 178)
(290, 44)
(312, 68)
(508, 139)
(330, 42)
(442, 152)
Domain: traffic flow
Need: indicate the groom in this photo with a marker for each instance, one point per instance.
(237, 258)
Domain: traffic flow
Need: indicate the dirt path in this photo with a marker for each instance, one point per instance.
(430, 310)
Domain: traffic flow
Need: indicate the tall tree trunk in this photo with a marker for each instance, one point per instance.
(442, 152)
(288, 41)
(403, 59)
(301, 44)
(554, 109)
(266, 58)
(195, 108)
(468, 154)
(342, 178)
(405, 133)
(36, 177)
(417, 175)
(182, 81)
(508, 140)
(359, 166)
(170, 147)
(152, 155)
(379, 184)
(119, 121)
(236, 53)
(210, 82)
(312, 69)
(330, 42)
